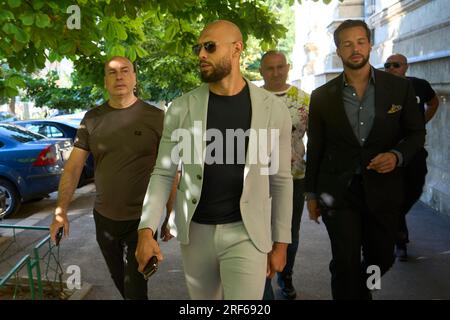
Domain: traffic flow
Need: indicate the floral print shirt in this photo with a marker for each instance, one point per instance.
(297, 101)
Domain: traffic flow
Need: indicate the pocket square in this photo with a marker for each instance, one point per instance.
(395, 108)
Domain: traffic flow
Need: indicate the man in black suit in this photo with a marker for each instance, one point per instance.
(364, 126)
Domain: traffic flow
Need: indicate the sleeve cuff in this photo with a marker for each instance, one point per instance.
(399, 157)
(310, 196)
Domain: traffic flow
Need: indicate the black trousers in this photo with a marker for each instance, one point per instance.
(415, 173)
(359, 238)
(118, 241)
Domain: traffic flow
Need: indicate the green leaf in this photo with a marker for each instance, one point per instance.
(121, 32)
(6, 48)
(53, 56)
(42, 20)
(53, 5)
(17, 46)
(21, 36)
(38, 4)
(110, 30)
(171, 31)
(14, 3)
(117, 50)
(40, 61)
(15, 63)
(141, 52)
(9, 28)
(27, 18)
(88, 48)
(6, 15)
(10, 92)
(15, 81)
(131, 53)
(67, 47)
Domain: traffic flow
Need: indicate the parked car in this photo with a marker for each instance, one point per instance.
(30, 165)
(59, 128)
(7, 116)
(2, 204)
(70, 116)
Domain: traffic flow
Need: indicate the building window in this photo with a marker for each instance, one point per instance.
(370, 7)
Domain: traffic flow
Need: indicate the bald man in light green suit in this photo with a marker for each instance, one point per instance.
(232, 218)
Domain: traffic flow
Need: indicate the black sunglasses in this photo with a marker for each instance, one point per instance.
(210, 47)
(396, 65)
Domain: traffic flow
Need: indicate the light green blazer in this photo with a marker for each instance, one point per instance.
(266, 201)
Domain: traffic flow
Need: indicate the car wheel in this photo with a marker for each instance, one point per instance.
(12, 197)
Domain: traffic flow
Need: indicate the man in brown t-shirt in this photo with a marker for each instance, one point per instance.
(123, 135)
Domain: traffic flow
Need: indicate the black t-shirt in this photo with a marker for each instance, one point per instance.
(228, 118)
(424, 92)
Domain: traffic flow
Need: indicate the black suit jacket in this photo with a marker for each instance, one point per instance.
(334, 153)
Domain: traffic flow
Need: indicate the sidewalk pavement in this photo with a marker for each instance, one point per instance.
(425, 276)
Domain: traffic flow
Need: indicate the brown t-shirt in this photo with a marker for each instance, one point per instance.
(124, 143)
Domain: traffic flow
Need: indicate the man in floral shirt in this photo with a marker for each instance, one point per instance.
(274, 69)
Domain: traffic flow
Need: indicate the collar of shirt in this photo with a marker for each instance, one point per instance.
(372, 78)
(282, 93)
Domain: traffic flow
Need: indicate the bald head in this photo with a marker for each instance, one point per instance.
(274, 69)
(270, 53)
(222, 30)
(398, 57)
(120, 78)
(396, 64)
(123, 60)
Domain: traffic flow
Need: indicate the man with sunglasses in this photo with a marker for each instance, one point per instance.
(232, 217)
(416, 170)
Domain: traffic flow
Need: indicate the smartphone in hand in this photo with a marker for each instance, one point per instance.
(150, 268)
(59, 235)
(152, 264)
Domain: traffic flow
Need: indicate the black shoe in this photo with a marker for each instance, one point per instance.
(287, 289)
(401, 252)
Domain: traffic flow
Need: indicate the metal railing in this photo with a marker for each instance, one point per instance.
(44, 254)
(24, 262)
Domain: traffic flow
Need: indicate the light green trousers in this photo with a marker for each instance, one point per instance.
(221, 262)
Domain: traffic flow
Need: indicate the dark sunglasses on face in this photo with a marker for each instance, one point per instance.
(396, 65)
(210, 47)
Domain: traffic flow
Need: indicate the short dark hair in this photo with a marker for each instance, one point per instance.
(350, 24)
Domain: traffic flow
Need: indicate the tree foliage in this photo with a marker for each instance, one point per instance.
(10, 82)
(47, 92)
(157, 34)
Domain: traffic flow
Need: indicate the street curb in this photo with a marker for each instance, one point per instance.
(81, 293)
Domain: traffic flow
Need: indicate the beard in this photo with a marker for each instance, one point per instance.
(355, 66)
(219, 72)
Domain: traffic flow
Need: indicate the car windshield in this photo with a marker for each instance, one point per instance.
(19, 134)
